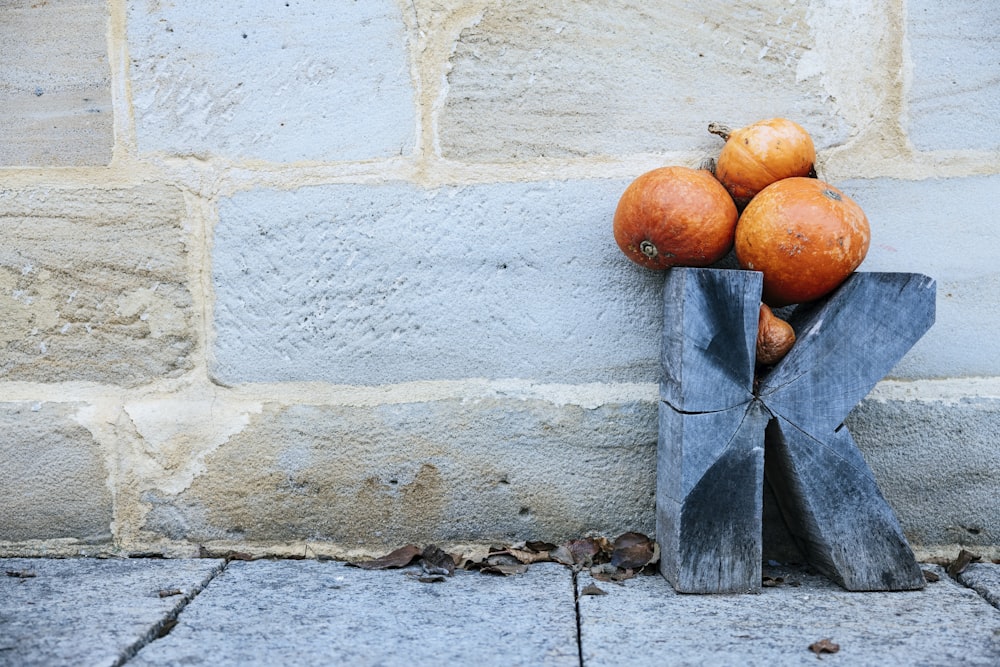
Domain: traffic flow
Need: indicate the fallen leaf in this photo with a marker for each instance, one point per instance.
(436, 561)
(401, 557)
(958, 565)
(528, 557)
(632, 551)
(592, 589)
(824, 646)
(168, 592)
(589, 550)
(505, 570)
(540, 546)
(21, 574)
(562, 555)
(239, 555)
(772, 582)
(930, 576)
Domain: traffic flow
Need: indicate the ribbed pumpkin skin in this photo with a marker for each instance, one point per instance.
(805, 236)
(757, 155)
(675, 216)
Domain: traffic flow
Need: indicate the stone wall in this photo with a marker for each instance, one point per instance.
(305, 275)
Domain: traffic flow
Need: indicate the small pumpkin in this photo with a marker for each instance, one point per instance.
(757, 155)
(805, 236)
(675, 216)
(775, 337)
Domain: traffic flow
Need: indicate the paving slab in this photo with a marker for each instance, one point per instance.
(326, 613)
(643, 621)
(85, 611)
(984, 578)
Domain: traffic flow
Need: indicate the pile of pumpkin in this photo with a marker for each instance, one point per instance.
(760, 199)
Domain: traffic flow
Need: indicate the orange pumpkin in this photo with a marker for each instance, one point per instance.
(675, 216)
(760, 154)
(805, 236)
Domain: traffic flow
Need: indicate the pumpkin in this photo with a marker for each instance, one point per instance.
(775, 337)
(805, 236)
(675, 216)
(757, 155)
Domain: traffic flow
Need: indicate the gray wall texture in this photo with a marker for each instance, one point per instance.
(324, 276)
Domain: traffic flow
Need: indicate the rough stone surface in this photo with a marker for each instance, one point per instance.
(395, 283)
(528, 80)
(441, 471)
(87, 611)
(936, 464)
(304, 80)
(55, 84)
(264, 613)
(954, 95)
(984, 578)
(93, 285)
(645, 622)
(938, 227)
(53, 478)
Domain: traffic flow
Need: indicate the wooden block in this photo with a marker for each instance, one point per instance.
(709, 336)
(712, 458)
(709, 501)
(845, 345)
(711, 454)
(832, 505)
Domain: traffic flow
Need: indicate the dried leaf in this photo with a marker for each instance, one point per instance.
(824, 646)
(562, 555)
(540, 546)
(589, 550)
(505, 570)
(436, 561)
(958, 565)
(930, 576)
(632, 551)
(772, 582)
(168, 592)
(21, 574)
(401, 557)
(530, 556)
(239, 555)
(592, 589)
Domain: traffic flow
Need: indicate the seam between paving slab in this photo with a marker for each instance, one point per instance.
(981, 591)
(579, 621)
(164, 625)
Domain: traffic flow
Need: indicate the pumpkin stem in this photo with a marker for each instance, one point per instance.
(720, 129)
(708, 164)
(648, 249)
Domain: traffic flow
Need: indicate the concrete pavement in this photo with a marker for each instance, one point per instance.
(306, 612)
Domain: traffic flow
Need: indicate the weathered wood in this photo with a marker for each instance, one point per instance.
(845, 345)
(832, 505)
(712, 459)
(709, 337)
(711, 454)
(709, 502)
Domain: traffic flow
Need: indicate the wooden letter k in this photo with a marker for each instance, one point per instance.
(723, 427)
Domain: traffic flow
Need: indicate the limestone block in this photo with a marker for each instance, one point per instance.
(55, 84)
(53, 478)
(306, 80)
(936, 463)
(939, 227)
(561, 79)
(380, 284)
(93, 285)
(442, 471)
(953, 100)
